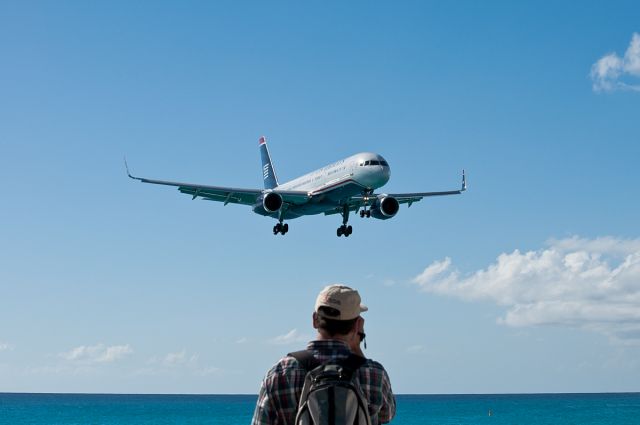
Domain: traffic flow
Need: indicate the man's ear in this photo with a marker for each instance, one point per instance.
(315, 320)
(360, 324)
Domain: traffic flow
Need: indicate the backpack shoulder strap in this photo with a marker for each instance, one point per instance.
(306, 359)
(309, 362)
(353, 362)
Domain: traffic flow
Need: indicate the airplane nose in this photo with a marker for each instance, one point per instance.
(386, 173)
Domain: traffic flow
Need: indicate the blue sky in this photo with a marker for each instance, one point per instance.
(529, 282)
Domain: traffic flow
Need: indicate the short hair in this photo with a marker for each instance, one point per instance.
(333, 326)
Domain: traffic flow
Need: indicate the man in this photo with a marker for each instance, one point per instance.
(340, 330)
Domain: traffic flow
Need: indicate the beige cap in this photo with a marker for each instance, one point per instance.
(344, 299)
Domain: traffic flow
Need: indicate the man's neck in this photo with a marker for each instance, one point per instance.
(324, 337)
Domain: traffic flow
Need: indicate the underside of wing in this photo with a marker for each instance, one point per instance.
(222, 194)
(228, 194)
(356, 202)
(410, 198)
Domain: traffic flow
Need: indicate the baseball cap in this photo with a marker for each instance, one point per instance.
(342, 298)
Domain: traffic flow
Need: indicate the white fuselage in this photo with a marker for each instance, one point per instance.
(338, 181)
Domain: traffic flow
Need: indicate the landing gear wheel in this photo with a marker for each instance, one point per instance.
(368, 213)
(362, 213)
(280, 228)
(344, 230)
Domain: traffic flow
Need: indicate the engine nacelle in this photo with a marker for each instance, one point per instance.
(272, 202)
(385, 207)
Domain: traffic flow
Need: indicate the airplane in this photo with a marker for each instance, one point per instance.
(339, 188)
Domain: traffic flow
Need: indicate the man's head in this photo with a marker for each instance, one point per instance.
(337, 311)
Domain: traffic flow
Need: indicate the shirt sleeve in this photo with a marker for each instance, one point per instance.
(265, 413)
(388, 409)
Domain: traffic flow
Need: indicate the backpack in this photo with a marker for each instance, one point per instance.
(331, 395)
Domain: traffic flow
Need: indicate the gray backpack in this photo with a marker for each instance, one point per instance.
(331, 395)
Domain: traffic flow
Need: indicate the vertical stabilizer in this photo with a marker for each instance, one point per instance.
(268, 173)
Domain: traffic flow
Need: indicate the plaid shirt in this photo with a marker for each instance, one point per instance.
(280, 391)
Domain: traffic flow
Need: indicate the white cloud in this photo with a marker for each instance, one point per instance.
(210, 370)
(588, 283)
(176, 364)
(414, 349)
(289, 338)
(612, 72)
(179, 358)
(4, 346)
(242, 340)
(93, 354)
(388, 282)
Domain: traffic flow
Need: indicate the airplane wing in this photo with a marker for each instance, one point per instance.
(225, 194)
(355, 202)
(410, 198)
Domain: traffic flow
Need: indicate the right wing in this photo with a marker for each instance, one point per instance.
(224, 194)
(410, 198)
(355, 202)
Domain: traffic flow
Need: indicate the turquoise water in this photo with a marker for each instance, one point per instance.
(67, 409)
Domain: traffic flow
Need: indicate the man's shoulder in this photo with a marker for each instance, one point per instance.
(289, 364)
(285, 364)
(373, 364)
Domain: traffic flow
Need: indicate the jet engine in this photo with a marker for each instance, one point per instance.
(385, 207)
(272, 202)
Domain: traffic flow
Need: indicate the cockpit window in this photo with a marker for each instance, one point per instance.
(374, 162)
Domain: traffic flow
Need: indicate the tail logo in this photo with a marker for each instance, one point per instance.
(265, 171)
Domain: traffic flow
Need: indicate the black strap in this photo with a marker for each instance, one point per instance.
(332, 406)
(309, 362)
(306, 359)
(353, 362)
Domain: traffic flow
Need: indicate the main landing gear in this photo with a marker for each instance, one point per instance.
(344, 229)
(281, 228)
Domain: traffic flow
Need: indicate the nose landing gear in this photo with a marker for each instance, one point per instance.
(366, 212)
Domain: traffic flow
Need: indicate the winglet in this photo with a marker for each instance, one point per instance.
(126, 166)
(464, 182)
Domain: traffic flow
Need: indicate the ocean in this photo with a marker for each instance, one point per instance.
(123, 409)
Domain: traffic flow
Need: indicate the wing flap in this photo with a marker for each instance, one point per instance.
(221, 195)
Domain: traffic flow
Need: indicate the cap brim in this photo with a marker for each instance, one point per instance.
(363, 308)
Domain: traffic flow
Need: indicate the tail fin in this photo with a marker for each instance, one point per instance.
(268, 173)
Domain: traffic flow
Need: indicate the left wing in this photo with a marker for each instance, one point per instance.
(225, 194)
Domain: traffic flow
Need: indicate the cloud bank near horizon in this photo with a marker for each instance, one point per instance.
(95, 354)
(591, 284)
(612, 72)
